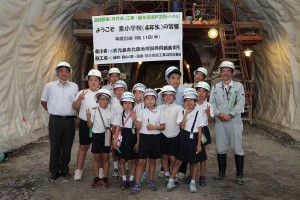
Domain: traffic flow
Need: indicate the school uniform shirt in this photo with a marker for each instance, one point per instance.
(228, 99)
(110, 88)
(170, 113)
(178, 99)
(116, 107)
(87, 103)
(60, 97)
(202, 108)
(117, 121)
(147, 116)
(98, 126)
(138, 107)
(190, 120)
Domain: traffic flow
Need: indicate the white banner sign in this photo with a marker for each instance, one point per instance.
(137, 37)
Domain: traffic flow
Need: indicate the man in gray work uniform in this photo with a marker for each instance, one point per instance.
(228, 101)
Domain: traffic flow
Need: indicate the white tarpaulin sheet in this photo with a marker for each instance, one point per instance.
(36, 34)
(137, 37)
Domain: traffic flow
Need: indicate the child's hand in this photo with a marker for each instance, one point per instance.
(133, 115)
(81, 96)
(207, 110)
(187, 111)
(136, 148)
(88, 113)
(151, 127)
(199, 149)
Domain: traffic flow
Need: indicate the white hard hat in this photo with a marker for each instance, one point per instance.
(127, 96)
(114, 70)
(190, 93)
(104, 92)
(150, 92)
(139, 86)
(94, 72)
(63, 64)
(203, 84)
(120, 83)
(226, 64)
(201, 69)
(168, 89)
(172, 70)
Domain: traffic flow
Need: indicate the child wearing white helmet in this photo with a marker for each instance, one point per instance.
(57, 99)
(190, 148)
(100, 119)
(199, 75)
(138, 90)
(126, 137)
(150, 123)
(205, 107)
(113, 76)
(119, 88)
(172, 76)
(85, 100)
(169, 136)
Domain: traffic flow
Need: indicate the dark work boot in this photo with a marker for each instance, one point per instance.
(222, 167)
(239, 163)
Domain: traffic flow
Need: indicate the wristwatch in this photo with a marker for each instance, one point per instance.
(232, 116)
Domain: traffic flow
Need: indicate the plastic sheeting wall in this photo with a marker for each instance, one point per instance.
(36, 34)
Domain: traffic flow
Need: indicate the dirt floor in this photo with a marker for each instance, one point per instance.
(272, 171)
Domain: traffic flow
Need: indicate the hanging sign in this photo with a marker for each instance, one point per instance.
(137, 37)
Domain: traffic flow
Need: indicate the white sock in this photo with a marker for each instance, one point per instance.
(167, 174)
(126, 166)
(124, 178)
(193, 182)
(116, 165)
(131, 177)
(171, 180)
(101, 175)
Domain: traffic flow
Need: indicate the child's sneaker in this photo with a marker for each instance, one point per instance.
(193, 188)
(136, 188)
(95, 182)
(123, 185)
(116, 173)
(130, 184)
(176, 181)
(78, 175)
(167, 180)
(144, 177)
(188, 180)
(202, 181)
(180, 175)
(161, 174)
(151, 185)
(170, 186)
(105, 183)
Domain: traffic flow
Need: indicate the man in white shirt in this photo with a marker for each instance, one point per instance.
(57, 99)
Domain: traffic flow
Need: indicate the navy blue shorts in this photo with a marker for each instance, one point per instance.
(98, 144)
(84, 138)
(149, 146)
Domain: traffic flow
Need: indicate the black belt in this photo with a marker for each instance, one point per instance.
(64, 117)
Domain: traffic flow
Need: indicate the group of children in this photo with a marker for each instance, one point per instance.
(142, 126)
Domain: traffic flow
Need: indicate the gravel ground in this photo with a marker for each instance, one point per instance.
(272, 164)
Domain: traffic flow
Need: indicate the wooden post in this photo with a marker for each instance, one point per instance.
(83, 66)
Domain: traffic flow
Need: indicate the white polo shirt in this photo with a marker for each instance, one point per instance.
(116, 107)
(202, 108)
(110, 88)
(190, 121)
(138, 107)
(60, 97)
(147, 116)
(117, 121)
(87, 103)
(98, 126)
(170, 113)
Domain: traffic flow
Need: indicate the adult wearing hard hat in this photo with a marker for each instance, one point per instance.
(113, 76)
(57, 99)
(85, 100)
(228, 101)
